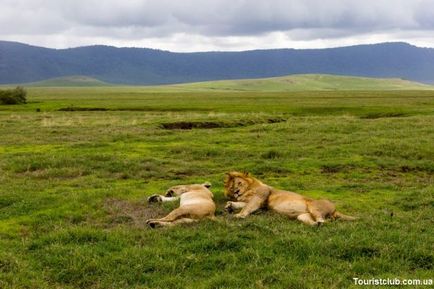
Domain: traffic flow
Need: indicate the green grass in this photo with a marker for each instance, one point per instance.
(73, 186)
(311, 82)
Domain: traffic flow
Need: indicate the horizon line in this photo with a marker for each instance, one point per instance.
(216, 51)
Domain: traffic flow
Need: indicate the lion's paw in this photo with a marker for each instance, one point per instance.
(229, 208)
(155, 199)
(152, 223)
(319, 222)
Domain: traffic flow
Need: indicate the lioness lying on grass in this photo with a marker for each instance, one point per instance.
(249, 194)
(196, 202)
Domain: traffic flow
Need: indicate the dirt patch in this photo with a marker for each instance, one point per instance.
(376, 115)
(416, 169)
(187, 125)
(354, 253)
(271, 154)
(145, 109)
(131, 213)
(191, 125)
(73, 108)
(335, 168)
(421, 261)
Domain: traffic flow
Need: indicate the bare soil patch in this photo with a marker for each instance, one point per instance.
(376, 115)
(131, 213)
(187, 125)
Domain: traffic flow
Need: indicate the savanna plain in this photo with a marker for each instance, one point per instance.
(78, 163)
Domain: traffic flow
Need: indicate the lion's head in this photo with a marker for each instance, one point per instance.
(236, 184)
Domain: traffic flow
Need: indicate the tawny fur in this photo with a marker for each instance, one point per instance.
(196, 202)
(248, 194)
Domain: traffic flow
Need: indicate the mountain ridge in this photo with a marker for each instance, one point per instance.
(21, 63)
(402, 43)
(68, 81)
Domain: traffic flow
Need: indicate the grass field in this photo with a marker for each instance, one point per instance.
(76, 166)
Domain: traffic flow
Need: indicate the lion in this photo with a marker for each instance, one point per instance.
(196, 202)
(248, 194)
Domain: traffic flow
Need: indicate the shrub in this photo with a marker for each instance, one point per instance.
(13, 96)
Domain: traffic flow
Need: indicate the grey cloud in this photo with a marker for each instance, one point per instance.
(230, 16)
(17, 18)
(140, 19)
(115, 13)
(425, 14)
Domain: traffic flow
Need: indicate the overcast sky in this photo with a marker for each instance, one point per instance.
(203, 25)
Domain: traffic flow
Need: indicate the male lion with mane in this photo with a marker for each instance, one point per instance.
(248, 194)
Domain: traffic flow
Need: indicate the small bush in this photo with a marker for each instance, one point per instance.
(13, 96)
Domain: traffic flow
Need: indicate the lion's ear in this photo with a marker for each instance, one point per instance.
(246, 174)
(207, 185)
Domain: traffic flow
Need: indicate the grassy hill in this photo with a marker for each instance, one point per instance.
(308, 82)
(67, 81)
(297, 82)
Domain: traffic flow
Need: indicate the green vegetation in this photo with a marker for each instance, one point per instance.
(311, 82)
(13, 96)
(73, 187)
(297, 82)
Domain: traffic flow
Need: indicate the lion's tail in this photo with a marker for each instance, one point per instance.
(338, 215)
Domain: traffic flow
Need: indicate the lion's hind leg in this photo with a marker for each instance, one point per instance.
(171, 217)
(307, 219)
(316, 214)
(321, 209)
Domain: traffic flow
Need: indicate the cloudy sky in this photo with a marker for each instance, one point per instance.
(203, 25)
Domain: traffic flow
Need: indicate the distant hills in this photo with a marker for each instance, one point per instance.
(299, 82)
(303, 82)
(21, 63)
(73, 81)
